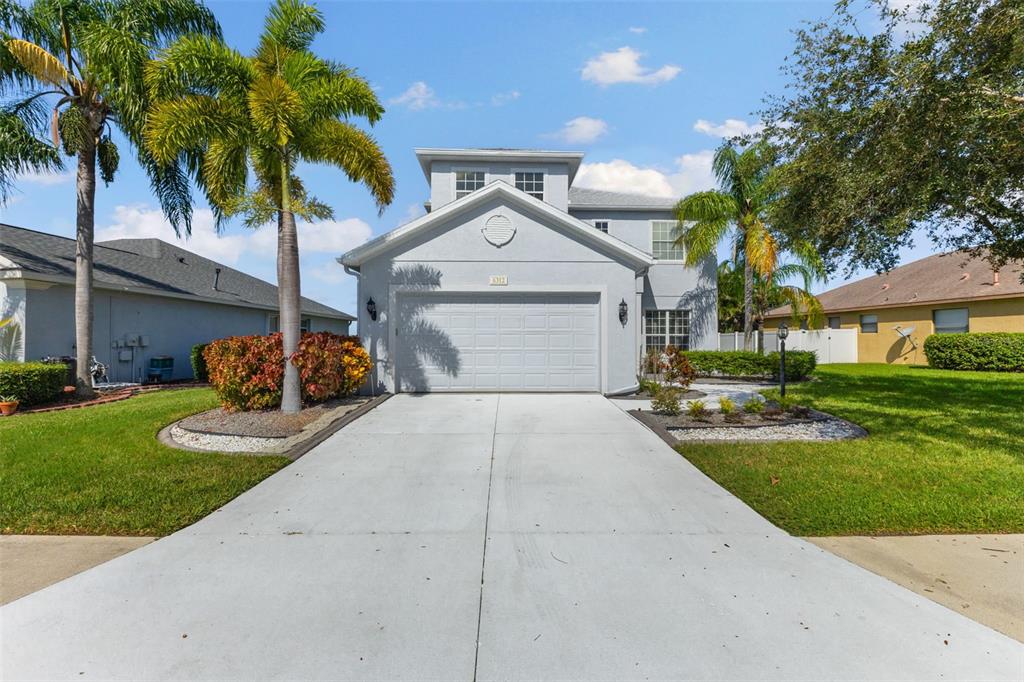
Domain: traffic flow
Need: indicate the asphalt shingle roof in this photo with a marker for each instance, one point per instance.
(943, 277)
(147, 263)
(584, 196)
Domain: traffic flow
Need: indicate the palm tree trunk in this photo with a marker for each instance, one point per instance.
(748, 304)
(288, 295)
(86, 210)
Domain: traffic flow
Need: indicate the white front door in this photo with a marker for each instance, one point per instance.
(497, 342)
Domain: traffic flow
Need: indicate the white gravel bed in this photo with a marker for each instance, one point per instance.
(830, 429)
(223, 443)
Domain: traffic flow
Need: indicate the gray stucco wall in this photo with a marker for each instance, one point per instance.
(172, 325)
(442, 179)
(454, 256)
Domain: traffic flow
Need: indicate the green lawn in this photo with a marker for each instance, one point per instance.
(945, 455)
(101, 471)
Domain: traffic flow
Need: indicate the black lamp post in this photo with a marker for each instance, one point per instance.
(783, 333)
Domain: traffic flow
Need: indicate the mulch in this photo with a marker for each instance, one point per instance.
(262, 423)
(71, 401)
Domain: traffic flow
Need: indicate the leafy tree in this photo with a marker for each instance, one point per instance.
(76, 67)
(769, 292)
(919, 123)
(263, 114)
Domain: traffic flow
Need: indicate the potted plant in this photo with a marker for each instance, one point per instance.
(8, 405)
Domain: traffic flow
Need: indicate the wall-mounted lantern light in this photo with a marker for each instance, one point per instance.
(371, 308)
(623, 312)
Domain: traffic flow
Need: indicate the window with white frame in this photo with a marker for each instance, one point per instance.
(666, 328)
(531, 182)
(601, 225)
(467, 181)
(663, 240)
(274, 324)
(951, 321)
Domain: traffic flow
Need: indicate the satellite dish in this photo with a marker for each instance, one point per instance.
(905, 333)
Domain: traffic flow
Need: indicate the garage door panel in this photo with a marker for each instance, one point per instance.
(484, 341)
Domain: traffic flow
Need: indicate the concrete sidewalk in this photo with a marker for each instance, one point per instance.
(490, 537)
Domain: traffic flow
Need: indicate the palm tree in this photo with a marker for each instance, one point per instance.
(769, 292)
(77, 65)
(264, 114)
(737, 211)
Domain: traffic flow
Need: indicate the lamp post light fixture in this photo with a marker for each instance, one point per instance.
(783, 333)
(371, 308)
(623, 312)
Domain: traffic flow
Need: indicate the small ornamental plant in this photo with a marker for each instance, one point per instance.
(754, 406)
(666, 401)
(678, 369)
(698, 410)
(726, 405)
(247, 372)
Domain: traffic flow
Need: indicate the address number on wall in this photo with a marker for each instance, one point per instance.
(499, 280)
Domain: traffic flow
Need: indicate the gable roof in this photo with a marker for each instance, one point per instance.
(148, 266)
(586, 198)
(428, 155)
(943, 277)
(497, 188)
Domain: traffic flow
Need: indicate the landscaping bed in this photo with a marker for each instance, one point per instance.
(772, 424)
(266, 423)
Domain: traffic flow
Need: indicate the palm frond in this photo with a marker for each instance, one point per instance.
(341, 95)
(705, 218)
(199, 65)
(274, 108)
(21, 151)
(353, 151)
(225, 171)
(176, 126)
(760, 247)
(292, 24)
(40, 64)
(157, 22)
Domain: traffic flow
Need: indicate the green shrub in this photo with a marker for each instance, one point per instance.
(754, 406)
(32, 383)
(247, 372)
(726, 405)
(199, 371)
(990, 351)
(746, 364)
(666, 401)
(697, 409)
(649, 386)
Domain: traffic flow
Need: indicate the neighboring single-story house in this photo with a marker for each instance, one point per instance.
(150, 299)
(945, 293)
(517, 281)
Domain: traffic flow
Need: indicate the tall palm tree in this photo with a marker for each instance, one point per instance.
(264, 114)
(738, 210)
(77, 65)
(769, 292)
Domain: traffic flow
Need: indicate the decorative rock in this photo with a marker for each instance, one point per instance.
(829, 429)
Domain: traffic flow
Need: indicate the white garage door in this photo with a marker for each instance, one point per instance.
(497, 342)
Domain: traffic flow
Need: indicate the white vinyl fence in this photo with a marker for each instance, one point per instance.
(830, 345)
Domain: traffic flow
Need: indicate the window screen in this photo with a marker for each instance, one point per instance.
(951, 321)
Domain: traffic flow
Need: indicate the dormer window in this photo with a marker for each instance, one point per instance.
(467, 181)
(531, 182)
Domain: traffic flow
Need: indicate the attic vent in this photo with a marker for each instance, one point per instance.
(498, 230)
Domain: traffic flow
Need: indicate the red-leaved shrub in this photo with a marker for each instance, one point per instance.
(247, 372)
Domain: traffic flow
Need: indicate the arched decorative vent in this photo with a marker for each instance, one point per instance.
(498, 230)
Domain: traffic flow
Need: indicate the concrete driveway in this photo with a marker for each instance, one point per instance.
(490, 537)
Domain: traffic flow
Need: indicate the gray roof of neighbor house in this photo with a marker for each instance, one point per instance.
(583, 197)
(146, 265)
(951, 276)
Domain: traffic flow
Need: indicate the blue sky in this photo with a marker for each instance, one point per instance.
(646, 90)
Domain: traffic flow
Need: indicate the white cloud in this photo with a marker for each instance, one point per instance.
(731, 127)
(692, 173)
(639, 30)
(412, 212)
(330, 272)
(142, 222)
(503, 98)
(581, 130)
(46, 179)
(417, 96)
(623, 66)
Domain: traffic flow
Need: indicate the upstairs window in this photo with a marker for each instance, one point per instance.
(601, 225)
(467, 181)
(951, 321)
(663, 240)
(531, 182)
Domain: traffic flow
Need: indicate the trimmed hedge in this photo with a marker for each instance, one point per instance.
(247, 372)
(199, 370)
(746, 364)
(986, 352)
(32, 383)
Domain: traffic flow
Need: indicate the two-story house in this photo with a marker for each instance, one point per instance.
(515, 280)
